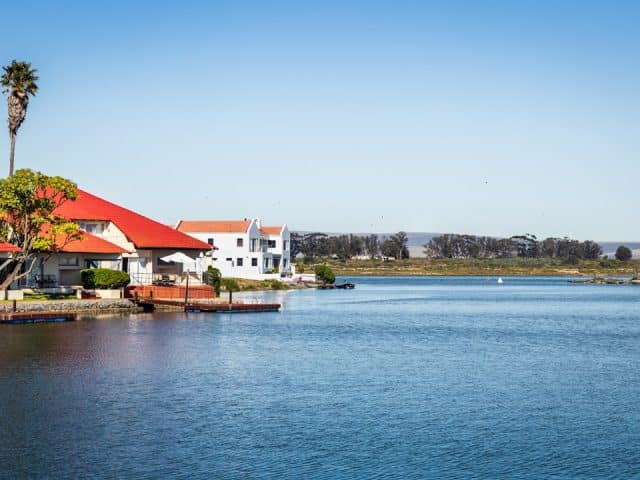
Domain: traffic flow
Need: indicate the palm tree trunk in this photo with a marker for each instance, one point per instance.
(13, 151)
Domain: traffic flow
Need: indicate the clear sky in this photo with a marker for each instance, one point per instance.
(486, 117)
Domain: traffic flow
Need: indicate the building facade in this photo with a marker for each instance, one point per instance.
(244, 248)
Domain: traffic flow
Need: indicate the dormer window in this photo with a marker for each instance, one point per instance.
(92, 227)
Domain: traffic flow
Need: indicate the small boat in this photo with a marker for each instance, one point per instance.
(346, 286)
(500, 280)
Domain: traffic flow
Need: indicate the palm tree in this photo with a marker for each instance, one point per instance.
(19, 81)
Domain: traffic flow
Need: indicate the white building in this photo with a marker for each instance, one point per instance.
(244, 248)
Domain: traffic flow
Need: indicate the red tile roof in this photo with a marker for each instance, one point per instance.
(7, 247)
(213, 226)
(140, 230)
(271, 230)
(87, 244)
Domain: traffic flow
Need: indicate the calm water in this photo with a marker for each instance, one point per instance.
(400, 378)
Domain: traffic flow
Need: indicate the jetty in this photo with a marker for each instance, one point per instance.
(150, 304)
(16, 318)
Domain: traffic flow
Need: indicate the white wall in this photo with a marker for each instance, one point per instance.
(283, 239)
(229, 255)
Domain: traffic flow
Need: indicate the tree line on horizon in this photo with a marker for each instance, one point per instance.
(347, 246)
(451, 245)
(524, 246)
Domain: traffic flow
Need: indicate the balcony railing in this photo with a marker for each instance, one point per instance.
(165, 280)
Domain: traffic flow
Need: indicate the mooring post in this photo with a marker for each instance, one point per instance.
(186, 292)
(15, 305)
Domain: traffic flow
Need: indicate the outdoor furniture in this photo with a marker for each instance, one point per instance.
(165, 281)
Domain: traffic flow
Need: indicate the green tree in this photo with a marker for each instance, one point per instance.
(28, 201)
(399, 241)
(19, 82)
(623, 253)
(325, 274)
(372, 245)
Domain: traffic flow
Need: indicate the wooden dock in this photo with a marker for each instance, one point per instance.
(15, 318)
(149, 305)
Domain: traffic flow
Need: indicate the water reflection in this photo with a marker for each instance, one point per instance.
(403, 378)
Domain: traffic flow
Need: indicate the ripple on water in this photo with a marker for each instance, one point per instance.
(399, 378)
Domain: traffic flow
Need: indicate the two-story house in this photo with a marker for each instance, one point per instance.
(244, 249)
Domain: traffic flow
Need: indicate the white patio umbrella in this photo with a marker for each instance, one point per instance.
(179, 257)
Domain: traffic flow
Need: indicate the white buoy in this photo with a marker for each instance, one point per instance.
(499, 279)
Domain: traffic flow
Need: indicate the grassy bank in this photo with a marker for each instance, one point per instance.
(494, 266)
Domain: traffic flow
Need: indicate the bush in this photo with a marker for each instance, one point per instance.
(325, 274)
(104, 278)
(230, 284)
(571, 260)
(275, 285)
(623, 253)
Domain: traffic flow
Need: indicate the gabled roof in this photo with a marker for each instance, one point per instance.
(88, 244)
(213, 226)
(7, 247)
(140, 230)
(271, 230)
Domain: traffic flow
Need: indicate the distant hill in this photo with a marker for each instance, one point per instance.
(418, 239)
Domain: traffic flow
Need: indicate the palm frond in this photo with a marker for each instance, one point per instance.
(19, 77)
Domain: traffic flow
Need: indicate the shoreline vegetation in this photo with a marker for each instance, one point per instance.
(500, 267)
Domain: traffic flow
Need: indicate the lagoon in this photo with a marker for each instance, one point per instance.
(403, 377)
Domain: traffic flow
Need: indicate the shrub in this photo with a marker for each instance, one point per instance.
(275, 285)
(571, 260)
(325, 274)
(230, 284)
(623, 253)
(104, 278)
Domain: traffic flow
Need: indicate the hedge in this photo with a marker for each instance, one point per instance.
(104, 278)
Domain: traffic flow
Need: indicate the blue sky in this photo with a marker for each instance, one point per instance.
(487, 117)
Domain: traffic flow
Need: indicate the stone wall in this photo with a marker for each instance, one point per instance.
(69, 306)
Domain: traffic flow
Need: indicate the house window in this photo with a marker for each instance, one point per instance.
(215, 259)
(239, 242)
(272, 244)
(239, 262)
(284, 263)
(210, 241)
(254, 262)
(254, 245)
(229, 259)
(285, 245)
(94, 228)
(69, 261)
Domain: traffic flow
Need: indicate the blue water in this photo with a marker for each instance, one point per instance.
(399, 378)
